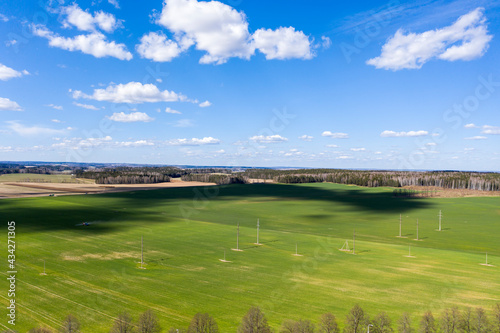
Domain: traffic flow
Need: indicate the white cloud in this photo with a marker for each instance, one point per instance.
(130, 117)
(132, 92)
(86, 106)
(216, 28)
(466, 39)
(335, 135)
(184, 123)
(79, 143)
(332, 146)
(205, 104)
(94, 44)
(470, 126)
(268, 139)
(306, 137)
(56, 121)
(344, 157)
(33, 130)
(221, 151)
(222, 32)
(56, 107)
(8, 105)
(431, 144)
(138, 143)
(4, 18)
(392, 134)
(476, 138)
(157, 47)
(84, 21)
(487, 129)
(283, 43)
(326, 42)
(193, 142)
(169, 110)
(114, 3)
(7, 73)
(358, 149)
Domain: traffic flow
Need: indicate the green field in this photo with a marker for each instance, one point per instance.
(39, 178)
(93, 272)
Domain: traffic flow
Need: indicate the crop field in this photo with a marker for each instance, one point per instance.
(94, 271)
(40, 178)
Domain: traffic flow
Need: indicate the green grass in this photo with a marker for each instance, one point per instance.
(93, 272)
(38, 178)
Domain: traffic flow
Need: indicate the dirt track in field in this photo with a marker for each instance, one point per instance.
(23, 190)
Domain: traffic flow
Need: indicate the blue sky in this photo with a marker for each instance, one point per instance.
(374, 84)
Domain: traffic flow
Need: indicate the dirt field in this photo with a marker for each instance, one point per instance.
(22, 190)
(436, 192)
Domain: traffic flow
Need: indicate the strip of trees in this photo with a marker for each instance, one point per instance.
(450, 320)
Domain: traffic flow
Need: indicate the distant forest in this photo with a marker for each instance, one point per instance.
(482, 181)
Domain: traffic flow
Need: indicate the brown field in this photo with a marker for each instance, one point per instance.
(436, 192)
(24, 189)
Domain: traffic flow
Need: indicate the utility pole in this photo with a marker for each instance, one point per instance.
(400, 225)
(440, 216)
(258, 226)
(354, 242)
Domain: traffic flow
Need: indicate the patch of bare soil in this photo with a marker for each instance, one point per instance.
(22, 190)
(437, 192)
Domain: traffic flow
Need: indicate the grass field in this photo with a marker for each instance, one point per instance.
(93, 272)
(40, 178)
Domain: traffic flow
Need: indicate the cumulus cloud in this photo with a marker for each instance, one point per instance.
(205, 104)
(33, 130)
(4, 18)
(85, 21)
(8, 105)
(130, 117)
(476, 138)
(335, 135)
(193, 142)
(471, 126)
(283, 43)
(7, 73)
(358, 149)
(86, 106)
(157, 47)
(94, 43)
(487, 129)
(466, 39)
(132, 92)
(138, 143)
(393, 134)
(332, 146)
(114, 3)
(306, 137)
(184, 123)
(56, 107)
(222, 33)
(268, 139)
(169, 110)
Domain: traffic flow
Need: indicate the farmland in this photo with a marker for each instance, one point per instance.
(93, 272)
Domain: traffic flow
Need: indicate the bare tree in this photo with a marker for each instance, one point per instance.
(70, 325)
(404, 324)
(123, 324)
(303, 326)
(382, 324)
(496, 318)
(203, 323)
(356, 320)
(288, 326)
(428, 323)
(480, 323)
(254, 322)
(328, 324)
(465, 324)
(148, 323)
(450, 319)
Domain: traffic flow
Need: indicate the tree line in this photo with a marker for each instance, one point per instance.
(444, 179)
(450, 320)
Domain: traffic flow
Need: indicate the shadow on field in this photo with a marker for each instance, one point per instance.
(54, 213)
